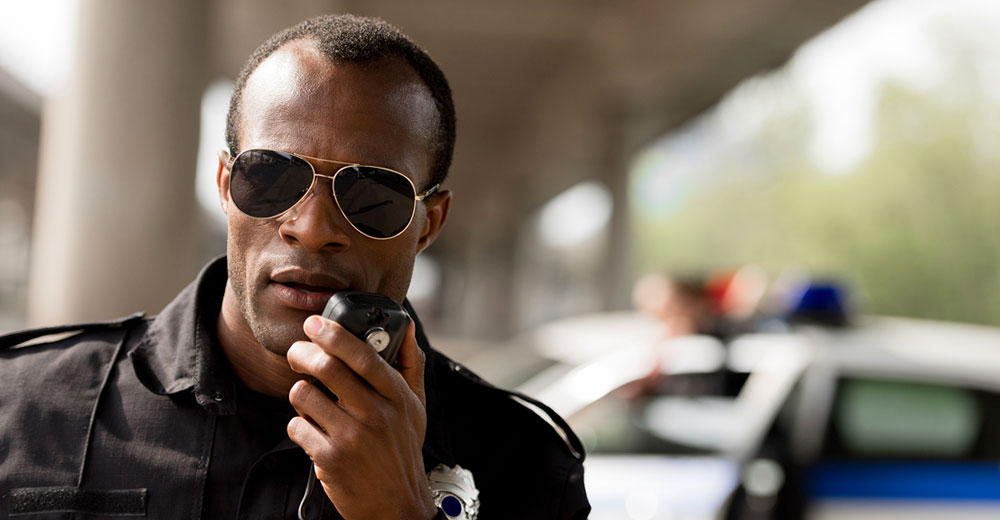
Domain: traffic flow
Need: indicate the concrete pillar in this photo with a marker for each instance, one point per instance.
(615, 279)
(116, 221)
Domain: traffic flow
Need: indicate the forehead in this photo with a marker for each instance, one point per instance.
(378, 113)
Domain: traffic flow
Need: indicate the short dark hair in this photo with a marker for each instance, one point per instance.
(355, 39)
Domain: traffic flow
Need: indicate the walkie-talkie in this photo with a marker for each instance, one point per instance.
(373, 318)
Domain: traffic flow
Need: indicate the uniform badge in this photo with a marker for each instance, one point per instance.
(454, 492)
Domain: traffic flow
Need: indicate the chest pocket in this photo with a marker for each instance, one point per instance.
(60, 500)
(49, 439)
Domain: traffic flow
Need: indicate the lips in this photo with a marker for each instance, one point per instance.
(304, 290)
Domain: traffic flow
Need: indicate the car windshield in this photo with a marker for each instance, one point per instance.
(629, 420)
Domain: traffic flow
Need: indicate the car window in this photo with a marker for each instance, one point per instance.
(632, 420)
(900, 419)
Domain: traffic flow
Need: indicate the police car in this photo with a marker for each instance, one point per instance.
(885, 418)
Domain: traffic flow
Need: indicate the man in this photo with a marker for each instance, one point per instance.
(340, 135)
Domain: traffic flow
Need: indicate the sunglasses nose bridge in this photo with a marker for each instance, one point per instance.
(316, 188)
(316, 220)
(321, 179)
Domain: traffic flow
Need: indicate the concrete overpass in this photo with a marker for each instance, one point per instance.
(548, 94)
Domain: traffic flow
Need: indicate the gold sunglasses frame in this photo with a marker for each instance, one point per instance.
(344, 165)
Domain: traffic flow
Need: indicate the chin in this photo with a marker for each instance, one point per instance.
(276, 336)
(280, 343)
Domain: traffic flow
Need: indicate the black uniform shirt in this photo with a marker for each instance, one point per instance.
(145, 417)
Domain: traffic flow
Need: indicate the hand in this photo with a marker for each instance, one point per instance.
(367, 444)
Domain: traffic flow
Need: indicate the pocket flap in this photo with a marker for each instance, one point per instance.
(68, 499)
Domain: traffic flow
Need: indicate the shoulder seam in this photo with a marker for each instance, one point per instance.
(14, 339)
(541, 413)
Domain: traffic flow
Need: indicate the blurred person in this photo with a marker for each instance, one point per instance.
(680, 306)
(206, 410)
(736, 297)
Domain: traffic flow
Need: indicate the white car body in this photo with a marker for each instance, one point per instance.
(808, 363)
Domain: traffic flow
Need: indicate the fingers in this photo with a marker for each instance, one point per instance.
(307, 435)
(355, 354)
(309, 358)
(410, 364)
(322, 448)
(373, 431)
(316, 407)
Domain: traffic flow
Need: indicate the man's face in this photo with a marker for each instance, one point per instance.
(282, 270)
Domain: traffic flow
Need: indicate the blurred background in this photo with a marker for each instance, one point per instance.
(740, 175)
(597, 142)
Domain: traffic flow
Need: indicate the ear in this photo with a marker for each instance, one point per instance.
(437, 213)
(222, 180)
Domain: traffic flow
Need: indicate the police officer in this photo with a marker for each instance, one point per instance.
(340, 135)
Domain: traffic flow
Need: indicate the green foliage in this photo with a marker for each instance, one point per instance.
(912, 229)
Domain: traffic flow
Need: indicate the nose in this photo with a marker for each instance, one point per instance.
(316, 223)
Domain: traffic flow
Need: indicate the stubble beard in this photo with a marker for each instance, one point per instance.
(273, 336)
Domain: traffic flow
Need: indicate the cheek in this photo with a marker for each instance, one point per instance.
(250, 233)
(245, 241)
(395, 267)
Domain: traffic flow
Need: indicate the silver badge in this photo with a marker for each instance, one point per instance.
(454, 492)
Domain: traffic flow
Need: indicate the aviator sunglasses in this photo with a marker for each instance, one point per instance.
(378, 202)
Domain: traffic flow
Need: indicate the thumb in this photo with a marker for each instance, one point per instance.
(410, 364)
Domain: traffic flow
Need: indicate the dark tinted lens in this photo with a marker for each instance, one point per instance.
(378, 202)
(264, 183)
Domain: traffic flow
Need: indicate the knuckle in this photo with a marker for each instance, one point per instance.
(329, 454)
(339, 334)
(323, 475)
(377, 418)
(295, 396)
(311, 395)
(348, 440)
(366, 360)
(296, 353)
(327, 365)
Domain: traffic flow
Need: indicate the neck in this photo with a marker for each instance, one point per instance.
(260, 369)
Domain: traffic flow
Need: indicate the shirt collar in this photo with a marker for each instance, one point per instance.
(180, 353)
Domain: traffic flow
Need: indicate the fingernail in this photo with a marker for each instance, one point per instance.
(313, 325)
